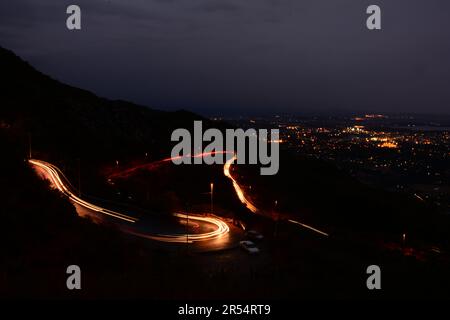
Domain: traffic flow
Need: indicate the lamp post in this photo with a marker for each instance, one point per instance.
(277, 219)
(29, 146)
(212, 192)
(187, 227)
(79, 177)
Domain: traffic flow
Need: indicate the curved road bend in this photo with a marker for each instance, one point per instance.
(227, 172)
(241, 195)
(215, 231)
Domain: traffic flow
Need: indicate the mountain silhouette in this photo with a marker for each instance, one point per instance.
(64, 120)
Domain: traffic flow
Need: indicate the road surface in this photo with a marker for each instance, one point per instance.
(250, 206)
(212, 229)
(227, 172)
(237, 188)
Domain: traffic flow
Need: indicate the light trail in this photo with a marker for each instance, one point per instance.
(54, 175)
(155, 164)
(309, 227)
(222, 229)
(226, 171)
(249, 205)
(237, 188)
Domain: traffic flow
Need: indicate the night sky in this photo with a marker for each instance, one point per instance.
(242, 56)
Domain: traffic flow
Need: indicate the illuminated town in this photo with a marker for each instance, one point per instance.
(399, 153)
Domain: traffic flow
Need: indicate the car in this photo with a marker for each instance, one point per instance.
(252, 234)
(249, 246)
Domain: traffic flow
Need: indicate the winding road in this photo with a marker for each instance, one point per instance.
(211, 229)
(58, 181)
(237, 188)
(250, 206)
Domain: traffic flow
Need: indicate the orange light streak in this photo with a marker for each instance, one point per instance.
(54, 176)
(237, 188)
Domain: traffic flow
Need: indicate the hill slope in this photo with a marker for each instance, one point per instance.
(70, 121)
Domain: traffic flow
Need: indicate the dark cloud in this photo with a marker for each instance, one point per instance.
(217, 6)
(255, 55)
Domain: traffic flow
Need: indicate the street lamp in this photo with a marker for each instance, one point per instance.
(29, 146)
(212, 191)
(79, 177)
(187, 226)
(276, 219)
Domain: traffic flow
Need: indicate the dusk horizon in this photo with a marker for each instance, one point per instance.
(255, 57)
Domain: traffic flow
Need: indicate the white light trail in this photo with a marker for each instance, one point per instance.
(54, 175)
